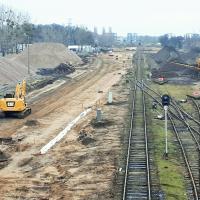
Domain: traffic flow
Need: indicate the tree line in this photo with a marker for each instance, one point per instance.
(68, 35)
(189, 41)
(176, 42)
(16, 32)
(12, 29)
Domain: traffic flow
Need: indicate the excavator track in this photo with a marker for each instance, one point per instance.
(24, 113)
(20, 115)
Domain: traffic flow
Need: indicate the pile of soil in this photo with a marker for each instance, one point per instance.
(169, 70)
(41, 55)
(191, 56)
(6, 140)
(169, 64)
(167, 54)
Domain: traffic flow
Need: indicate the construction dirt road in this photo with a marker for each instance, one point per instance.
(85, 163)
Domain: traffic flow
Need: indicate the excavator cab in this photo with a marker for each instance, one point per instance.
(9, 95)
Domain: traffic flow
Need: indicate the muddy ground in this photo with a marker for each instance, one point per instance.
(85, 164)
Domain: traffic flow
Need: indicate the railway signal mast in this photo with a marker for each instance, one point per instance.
(166, 103)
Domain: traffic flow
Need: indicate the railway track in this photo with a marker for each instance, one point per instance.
(196, 107)
(188, 140)
(137, 181)
(191, 161)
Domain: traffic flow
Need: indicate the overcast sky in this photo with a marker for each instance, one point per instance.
(152, 17)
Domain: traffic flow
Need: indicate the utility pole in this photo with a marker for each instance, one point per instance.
(28, 61)
(69, 26)
(28, 51)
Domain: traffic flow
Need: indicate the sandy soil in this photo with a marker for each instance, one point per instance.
(41, 55)
(72, 169)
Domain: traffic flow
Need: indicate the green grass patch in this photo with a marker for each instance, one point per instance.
(178, 91)
(170, 171)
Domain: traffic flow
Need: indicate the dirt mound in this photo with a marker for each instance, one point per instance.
(167, 54)
(168, 63)
(49, 55)
(42, 55)
(173, 70)
(11, 71)
(191, 56)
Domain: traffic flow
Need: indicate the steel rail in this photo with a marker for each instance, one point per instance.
(130, 151)
(191, 130)
(129, 138)
(185, 159)
(129, 143)
(146, 146)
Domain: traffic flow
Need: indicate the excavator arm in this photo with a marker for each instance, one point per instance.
(18, 91)
(23, 89)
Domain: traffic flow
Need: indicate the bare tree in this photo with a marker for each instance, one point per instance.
(11, 30)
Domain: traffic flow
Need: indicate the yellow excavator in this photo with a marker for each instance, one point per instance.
(14, 104)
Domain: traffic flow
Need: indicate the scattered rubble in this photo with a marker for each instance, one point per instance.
(102, 123)
(31, 122)
(6, 140)
(85, 138)
(61, 70)
(160, 81)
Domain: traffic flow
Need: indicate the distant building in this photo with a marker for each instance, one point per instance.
(131, 38)
(82, 48)
(103, 31)
(75, 48)
(95, 30)
(110, 30)
(188, 35)
(170, 35)
(192, 36)
(120, 39)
